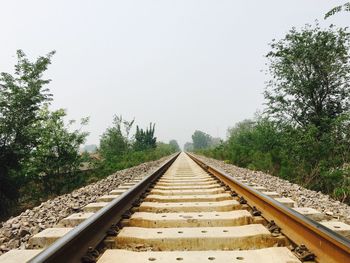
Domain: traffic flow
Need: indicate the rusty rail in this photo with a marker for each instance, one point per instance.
(328, 246)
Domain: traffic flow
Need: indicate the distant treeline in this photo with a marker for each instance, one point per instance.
(201, 140)
(40, 154)
(303, 135)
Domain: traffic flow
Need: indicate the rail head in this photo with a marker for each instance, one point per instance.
(327, 245)
(76, 243)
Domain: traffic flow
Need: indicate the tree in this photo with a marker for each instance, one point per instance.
(310, 77)
(119, 151)
(144, 139)
(254, 144)
(201, 140)
(115, 141)
(55, 160)
(21, 97)
(175, 145)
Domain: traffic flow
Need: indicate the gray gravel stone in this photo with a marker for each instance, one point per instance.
(302, 196)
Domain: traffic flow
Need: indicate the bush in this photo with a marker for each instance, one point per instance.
(299, 155)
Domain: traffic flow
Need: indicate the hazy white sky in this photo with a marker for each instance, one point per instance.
(183, 64)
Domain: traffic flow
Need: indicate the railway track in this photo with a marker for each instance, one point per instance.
(187, 211)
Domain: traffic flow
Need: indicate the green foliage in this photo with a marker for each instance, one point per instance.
(337, 9)
(119, 150)
(21, 97)
(201, 140)
(39, 156)
(115, 142)
(144, 139)
(296, 154)
(310, 72)
(336, 182)
(133, 158)
(55, 160)
(254, 144)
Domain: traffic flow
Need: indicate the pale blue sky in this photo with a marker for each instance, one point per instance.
(183, 64)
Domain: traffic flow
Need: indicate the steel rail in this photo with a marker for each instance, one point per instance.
(327, 245)
(76, 243)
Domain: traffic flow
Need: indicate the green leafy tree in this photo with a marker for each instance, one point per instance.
(120, 150)
(55, 160)
(175, 145)
(309, 95)
(21, 98)
(310, 77)
(115, 140)
(201, 140)
(144, 139)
